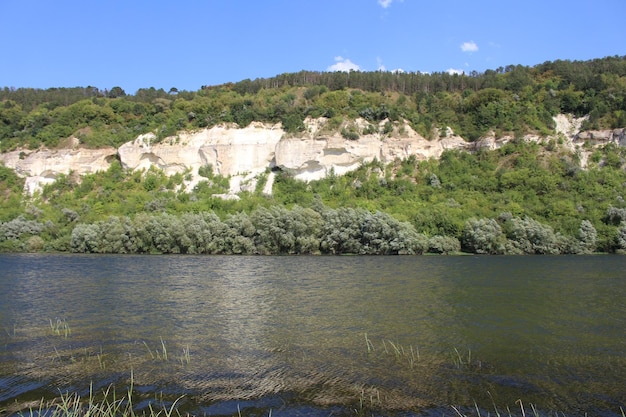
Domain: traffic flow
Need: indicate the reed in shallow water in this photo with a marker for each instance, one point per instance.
(108, 404)
(60, 327)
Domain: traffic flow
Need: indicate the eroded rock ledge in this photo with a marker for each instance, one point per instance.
(243, 154)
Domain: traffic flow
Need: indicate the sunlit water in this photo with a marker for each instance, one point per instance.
(317, 335)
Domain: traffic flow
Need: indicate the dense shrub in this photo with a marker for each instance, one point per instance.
(621, 236)
(587, 238)
(266, 231)
(357, 231)
(443, 244)
(14, 229)
(531, 237)
(483, 236)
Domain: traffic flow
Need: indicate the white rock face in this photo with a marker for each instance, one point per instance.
(243, 154)
(314, 157)
(43, 166)
(230, 151)
(568, 128)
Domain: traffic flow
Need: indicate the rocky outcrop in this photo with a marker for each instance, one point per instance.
(313, 158)
(228, 150)
(43, 166)
(568, 129)
(601, 137)
(243, 154)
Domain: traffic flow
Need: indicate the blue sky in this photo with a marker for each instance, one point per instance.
(189, 43)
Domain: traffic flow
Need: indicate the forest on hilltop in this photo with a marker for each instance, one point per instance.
(512, 100)
(524, 198)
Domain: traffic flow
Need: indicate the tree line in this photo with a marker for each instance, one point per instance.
(511, 100)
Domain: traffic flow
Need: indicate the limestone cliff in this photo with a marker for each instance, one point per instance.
(242, 154)
(43, 166)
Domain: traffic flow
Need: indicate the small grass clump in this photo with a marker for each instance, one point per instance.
(389, 347)
(60, 327)
(158, 354)
(108, 404)
(462, 361)
(185, 359)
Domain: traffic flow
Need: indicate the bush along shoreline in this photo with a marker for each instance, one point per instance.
(302, 231)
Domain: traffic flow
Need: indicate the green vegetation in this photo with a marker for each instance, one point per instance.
(520, 199)
(515, 99)
(108, 403)
(60, 327)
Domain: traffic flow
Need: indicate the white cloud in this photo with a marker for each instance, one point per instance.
(453, 71)
(381, 66)
(343, 64)
(469, 46)
(385, 3)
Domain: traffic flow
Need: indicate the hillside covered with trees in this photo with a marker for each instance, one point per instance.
(523, 198)
(515, 99)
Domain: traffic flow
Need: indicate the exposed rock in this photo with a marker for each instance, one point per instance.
(568, 125)
(490, 142)
(228, 150)
(599, 137)
(243, 154)
(43, 166)
(584, 142)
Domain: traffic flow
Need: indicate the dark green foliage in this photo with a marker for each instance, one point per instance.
(513, 100)
(350, 133)
(11, 187)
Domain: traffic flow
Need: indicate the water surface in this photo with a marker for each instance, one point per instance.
(303, 335)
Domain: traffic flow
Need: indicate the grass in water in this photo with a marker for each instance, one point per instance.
(60, 327)
(461, 361)
(186, 357)
(109, 405)
(160, 355)
(389, 347)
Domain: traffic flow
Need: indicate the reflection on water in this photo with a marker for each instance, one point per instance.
(387, 333)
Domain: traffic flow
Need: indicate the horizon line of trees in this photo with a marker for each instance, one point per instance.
(514, 99)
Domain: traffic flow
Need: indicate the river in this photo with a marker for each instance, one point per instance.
(405, 335)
